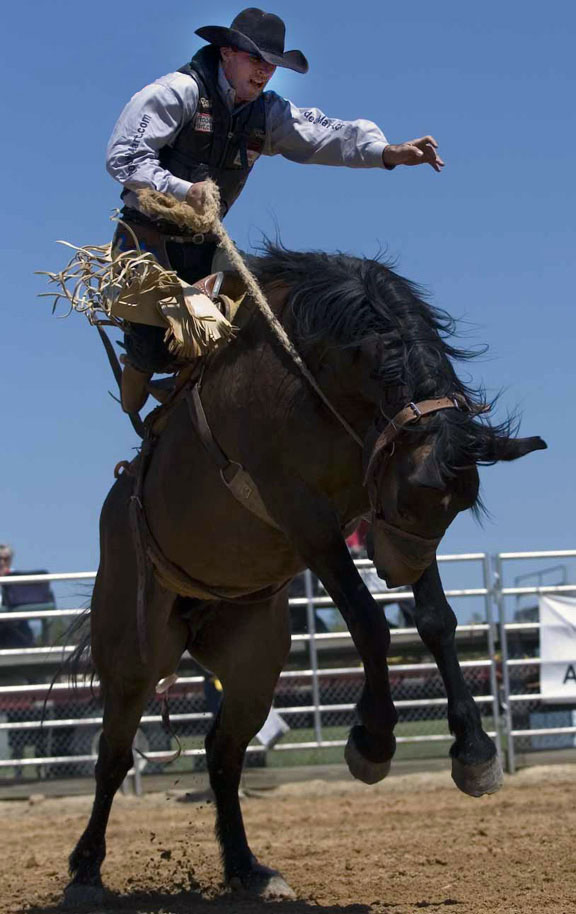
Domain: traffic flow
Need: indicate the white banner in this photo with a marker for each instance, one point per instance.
(558, 649)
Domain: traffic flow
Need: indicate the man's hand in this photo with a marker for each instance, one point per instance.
(414, 152)
(196, 195)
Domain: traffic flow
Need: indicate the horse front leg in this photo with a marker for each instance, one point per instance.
(371, 743)
(313, 528)
(476, 768)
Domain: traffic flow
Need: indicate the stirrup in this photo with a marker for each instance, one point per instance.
(209, 285)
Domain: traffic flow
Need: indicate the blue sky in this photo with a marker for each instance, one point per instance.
(492, 238)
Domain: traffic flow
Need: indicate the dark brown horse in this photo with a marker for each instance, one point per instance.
(374, 346)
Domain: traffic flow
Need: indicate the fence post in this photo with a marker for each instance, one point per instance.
(136, 775)
(311, 618)
(492, 650)
(506, 705)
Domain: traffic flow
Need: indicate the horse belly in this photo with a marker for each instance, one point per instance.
(200, 527)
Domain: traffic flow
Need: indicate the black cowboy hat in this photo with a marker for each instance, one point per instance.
(259, 33)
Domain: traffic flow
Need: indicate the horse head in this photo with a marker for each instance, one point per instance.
(380, 350)
(421, 472)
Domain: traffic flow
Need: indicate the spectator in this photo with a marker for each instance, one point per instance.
(17, 596)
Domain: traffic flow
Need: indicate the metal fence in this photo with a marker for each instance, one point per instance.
(52, 733)
(529, 725)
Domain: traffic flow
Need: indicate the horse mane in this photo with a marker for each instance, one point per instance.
(338, 300)
(345, 301)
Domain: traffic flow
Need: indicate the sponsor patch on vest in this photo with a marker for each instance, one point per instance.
(204, 123)
(204, 102)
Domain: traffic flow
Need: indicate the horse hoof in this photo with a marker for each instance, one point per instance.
(362, 768)
(266, 884)
(276, 887)
(478, 780)
(81, 896)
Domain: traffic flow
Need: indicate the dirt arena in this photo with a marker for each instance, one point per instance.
(410, 843)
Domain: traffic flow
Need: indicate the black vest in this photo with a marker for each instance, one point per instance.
(216, 143)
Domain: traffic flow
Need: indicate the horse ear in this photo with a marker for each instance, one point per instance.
(513, 448)
(428, 475)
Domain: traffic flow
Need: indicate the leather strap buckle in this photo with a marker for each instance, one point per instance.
(417, 412)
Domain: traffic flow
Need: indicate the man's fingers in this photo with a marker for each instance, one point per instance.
(427, 140)
(431, 154)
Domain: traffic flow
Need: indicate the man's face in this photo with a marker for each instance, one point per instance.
(247, 74)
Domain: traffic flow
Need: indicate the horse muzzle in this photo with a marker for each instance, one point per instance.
(400, 557)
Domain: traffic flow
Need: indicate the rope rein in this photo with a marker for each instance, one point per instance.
(276, 327)
(207, 218)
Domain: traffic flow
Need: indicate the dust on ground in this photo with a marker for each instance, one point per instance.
(410, 843)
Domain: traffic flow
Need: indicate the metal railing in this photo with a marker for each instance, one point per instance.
(511, 700)
(317, 694)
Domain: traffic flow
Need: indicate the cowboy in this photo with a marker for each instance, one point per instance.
(213, 119)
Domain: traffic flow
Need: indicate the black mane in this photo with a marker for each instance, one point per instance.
(348, 300)
(345, 301)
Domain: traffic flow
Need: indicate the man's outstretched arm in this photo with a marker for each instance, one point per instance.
(308, 136)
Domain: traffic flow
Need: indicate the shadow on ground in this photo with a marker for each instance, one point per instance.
(188, 901)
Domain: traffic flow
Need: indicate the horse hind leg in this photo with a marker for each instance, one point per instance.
(246, 647)
(127, 685)
(476, 768)
(121, 718)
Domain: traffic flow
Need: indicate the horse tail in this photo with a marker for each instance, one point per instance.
(79, 662)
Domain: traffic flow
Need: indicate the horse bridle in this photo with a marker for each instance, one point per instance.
(410, 414)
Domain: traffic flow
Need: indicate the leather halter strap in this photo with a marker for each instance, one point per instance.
(409, 415)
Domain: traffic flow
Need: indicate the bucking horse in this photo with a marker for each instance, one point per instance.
(191, 562)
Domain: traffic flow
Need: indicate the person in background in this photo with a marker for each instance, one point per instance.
(17, 633)
(6, 556)
(20, 633)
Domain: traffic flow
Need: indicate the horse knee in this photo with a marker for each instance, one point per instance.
(436, 626)
(236, 724)
(245, 719)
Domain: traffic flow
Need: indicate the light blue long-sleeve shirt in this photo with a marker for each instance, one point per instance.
(154, 116)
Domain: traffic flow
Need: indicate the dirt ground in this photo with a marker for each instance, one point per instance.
(410, 843)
